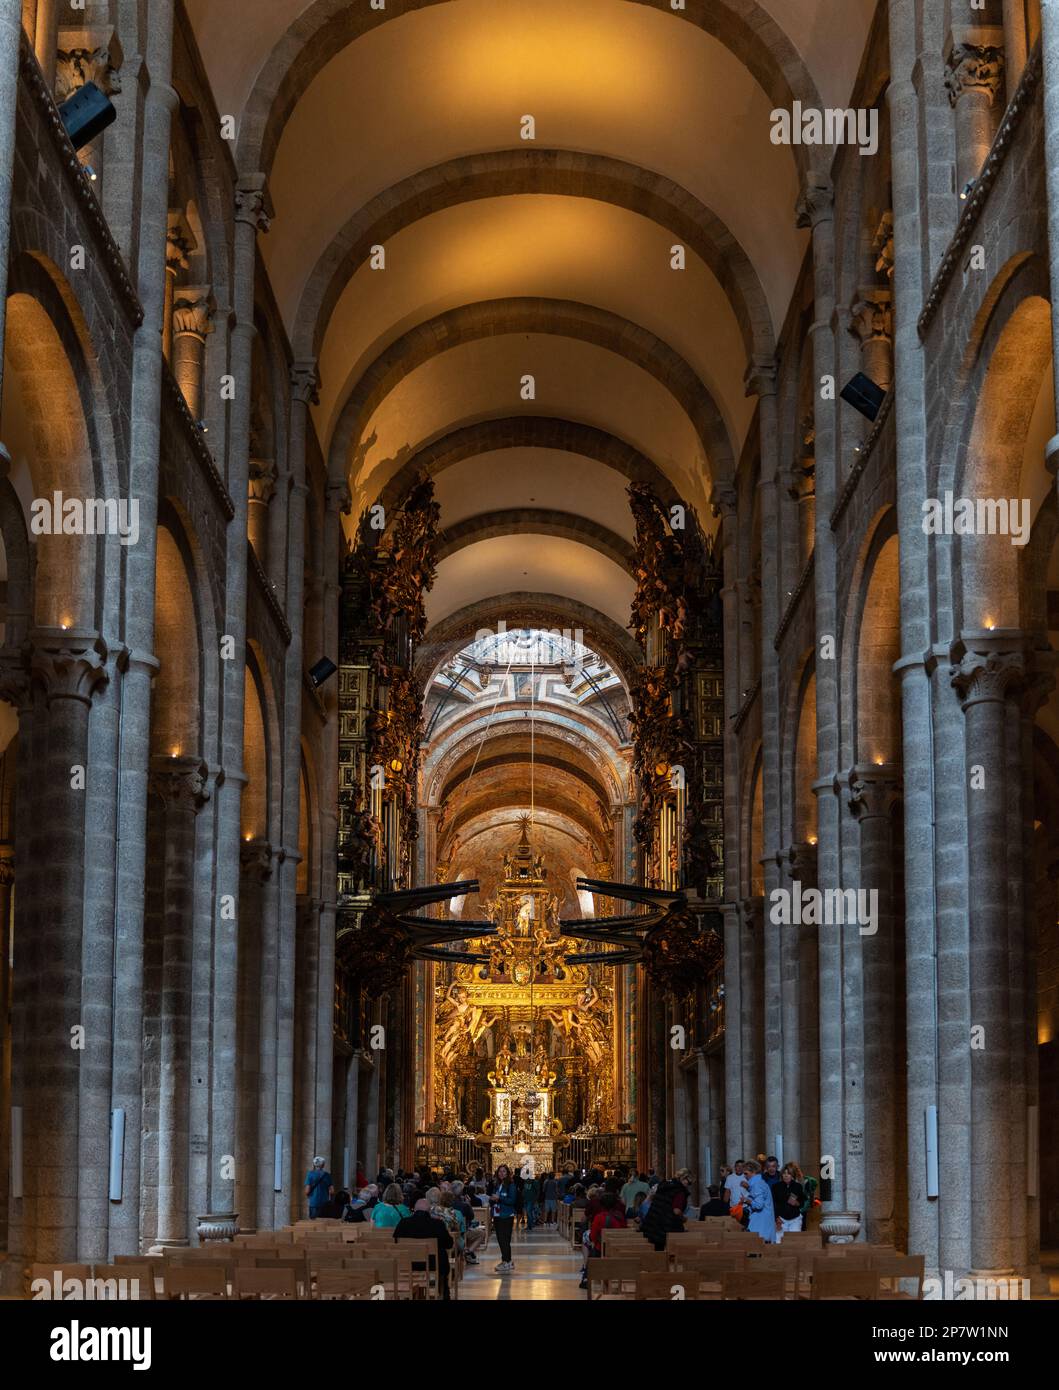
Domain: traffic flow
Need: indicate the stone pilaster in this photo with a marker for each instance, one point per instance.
(974, 79)
(797, 972)
(761, 381)
(750, 1022)
(67, 1096)
(874, 791)
(304, 383)
(193, 311)
(815, 211)
(178, 792)
(987, 673)
(256, 948)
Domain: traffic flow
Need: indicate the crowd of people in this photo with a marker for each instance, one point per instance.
(447, 1206)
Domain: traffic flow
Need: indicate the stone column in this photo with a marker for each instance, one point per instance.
(267, 889)
(704, 1162)
(179, 784)
(260, 493)
(139, 665)
(251, 216)
(761, 381)
(305, 1025)
(974, 79)
(10, 40)
(193, 309)
(872, 324)
(179, 246)
(46, 37)
(87, 55)
(7, 882)
(1016, 43)
(873, 792)
(255, 950)
(988, 669)
(802, 1112)
(1050, 98)
(749, 1020)
(338, 503)
(71, 1092)
(815, 210)
(303, 391)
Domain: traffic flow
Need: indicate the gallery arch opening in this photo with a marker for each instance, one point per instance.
(529, 577)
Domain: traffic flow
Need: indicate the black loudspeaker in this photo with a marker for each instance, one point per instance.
(863, 395)
(86, 115)
(323, 669)
(825, 1190)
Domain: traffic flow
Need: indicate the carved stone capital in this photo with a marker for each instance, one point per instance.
(193, 311)
(816, 202)
(759, 379)
(724, 499)
(68, 665)
(874, 789)
(974, 67)
(179, 244)
(253, 204)
(871, 315)
(989, 669)
(15, 684)
(86, 55)
(180, 782)
(305, 382)
(800, 861)
(262, 481)
(339, 498)
(882, 246)
(801, 480)
(255, 859)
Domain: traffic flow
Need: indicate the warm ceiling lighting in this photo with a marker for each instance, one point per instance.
(879, 762)
(812, 839)
(989, 624)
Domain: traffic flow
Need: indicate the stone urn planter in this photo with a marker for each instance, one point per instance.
(840, 1227)
(216, 1226)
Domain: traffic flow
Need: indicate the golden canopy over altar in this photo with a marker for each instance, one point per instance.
(526, 1034)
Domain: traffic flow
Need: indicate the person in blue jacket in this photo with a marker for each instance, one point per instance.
(504, 1204)
(759, 1200)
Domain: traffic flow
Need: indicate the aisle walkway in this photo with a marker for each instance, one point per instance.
(546, 1267)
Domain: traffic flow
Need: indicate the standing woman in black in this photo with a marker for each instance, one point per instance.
(504, 1203)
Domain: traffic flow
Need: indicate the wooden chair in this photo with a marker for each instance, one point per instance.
(385, 1274)
(358, 1283)
(837, 1282)
(711, 1269)
(614, 1279)
(423, 1255)
(663, 1284)
(770, 1284)
(298, 1265)
(134, 1282)
(893, 1268)
(802, 1240)
(195, 1281)
(853, 1260)
(266, 1283)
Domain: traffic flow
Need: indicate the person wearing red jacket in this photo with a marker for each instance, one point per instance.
(610, 1216)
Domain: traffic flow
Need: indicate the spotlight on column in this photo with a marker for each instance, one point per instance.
(863, 395)
(87, 114)
(322, 671)
(967, 190)
(203, 428)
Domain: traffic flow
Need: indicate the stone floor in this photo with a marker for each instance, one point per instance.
(546, 1268)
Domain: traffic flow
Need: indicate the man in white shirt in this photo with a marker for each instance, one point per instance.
(735, 1185)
